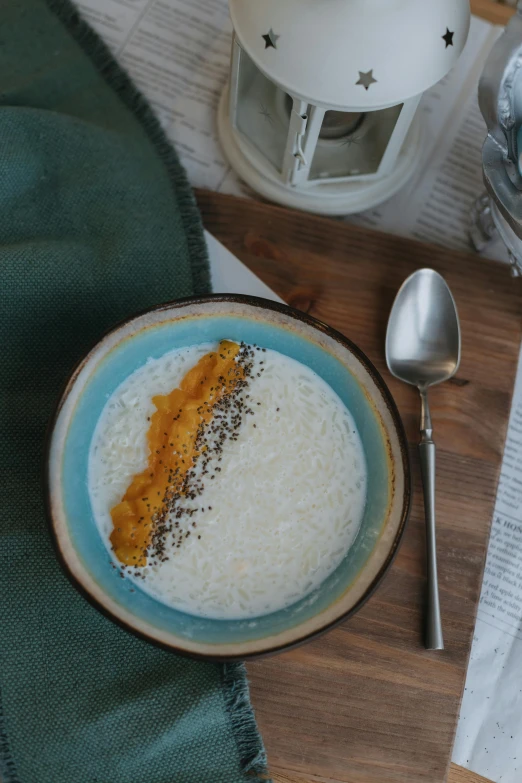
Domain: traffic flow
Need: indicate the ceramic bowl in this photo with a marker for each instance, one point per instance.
(288, 331)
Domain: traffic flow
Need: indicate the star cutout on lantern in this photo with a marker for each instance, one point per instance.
(270, 39)
(365, 79)
(448, 37)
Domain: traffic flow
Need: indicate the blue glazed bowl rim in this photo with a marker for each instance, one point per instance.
(315, 324)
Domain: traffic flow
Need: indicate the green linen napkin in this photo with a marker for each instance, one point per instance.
(97, 221)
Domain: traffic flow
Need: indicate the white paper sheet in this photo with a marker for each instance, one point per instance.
(177, 52)
(489, 736)
(230, 276)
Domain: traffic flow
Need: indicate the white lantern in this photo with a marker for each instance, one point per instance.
(320, 109)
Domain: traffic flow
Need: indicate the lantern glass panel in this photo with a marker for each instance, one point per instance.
(352, 144)
(260, 112)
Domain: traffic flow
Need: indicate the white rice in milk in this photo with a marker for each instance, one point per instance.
(280, 515)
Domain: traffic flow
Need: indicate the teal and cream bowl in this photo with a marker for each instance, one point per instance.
(340, 363)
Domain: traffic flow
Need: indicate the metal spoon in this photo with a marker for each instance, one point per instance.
(423, 348)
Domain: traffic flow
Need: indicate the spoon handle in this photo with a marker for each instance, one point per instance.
(433, 632)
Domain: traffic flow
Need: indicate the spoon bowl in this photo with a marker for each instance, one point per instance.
(423, 337)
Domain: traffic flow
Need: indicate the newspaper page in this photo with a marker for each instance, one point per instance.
(177, 52)
(489, 735)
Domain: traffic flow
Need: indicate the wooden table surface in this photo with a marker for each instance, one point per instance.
(498, 14)
(366, 703)
(305, 755)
